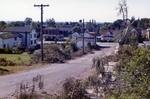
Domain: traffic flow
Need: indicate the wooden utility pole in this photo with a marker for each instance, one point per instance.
(83, 36)
(95, 30)
(41, 31)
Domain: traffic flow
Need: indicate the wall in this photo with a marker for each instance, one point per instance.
(9, 43)
(32, 40)
(86, 41)
(1, 43)
(79, 39)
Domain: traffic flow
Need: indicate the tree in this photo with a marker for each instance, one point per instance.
(135, 67)
(118, 24)
(3, 25)
(51, 22)
(16, 23)
(90, 26)
(123, 9)
(77, 29)
(145, 23)
(28, 21)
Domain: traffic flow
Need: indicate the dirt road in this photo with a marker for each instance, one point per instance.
(53, 74)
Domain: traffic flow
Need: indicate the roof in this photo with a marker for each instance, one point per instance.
(59, 29)
(65, 29)
(50, 28)
(92, 33)
(8, 35)
(18, 29)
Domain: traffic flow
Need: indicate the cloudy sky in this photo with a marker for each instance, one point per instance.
(71, 10)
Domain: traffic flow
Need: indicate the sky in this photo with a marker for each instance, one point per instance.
(71, 10)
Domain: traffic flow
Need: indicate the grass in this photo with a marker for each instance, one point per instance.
(4, 70)
(22, 62)
(19, 59)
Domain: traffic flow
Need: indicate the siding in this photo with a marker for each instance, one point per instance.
(9, 43)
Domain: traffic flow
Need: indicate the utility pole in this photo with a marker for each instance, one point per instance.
(83, 35)
(41, 31)
(95, 30)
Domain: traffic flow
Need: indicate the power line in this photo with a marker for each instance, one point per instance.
(41, 6)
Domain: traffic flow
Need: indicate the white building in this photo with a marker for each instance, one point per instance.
(89, 37)
(9, 40)
(29, 35)
(148, 34)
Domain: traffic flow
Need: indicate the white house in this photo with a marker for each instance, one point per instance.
(29, 35)
(107, 37)
(9, 40)
(148, 34)
(89, 37)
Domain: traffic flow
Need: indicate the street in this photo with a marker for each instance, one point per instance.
(53, 74)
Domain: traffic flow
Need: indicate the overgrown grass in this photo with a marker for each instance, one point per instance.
(18, 59)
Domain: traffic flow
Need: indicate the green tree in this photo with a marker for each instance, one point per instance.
(28, 21)
(51, 22)
(134, 73)
(145, 23)
(3, 25)
(16, 23)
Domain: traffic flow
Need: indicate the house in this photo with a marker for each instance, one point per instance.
(10, 40)
(66, 31)
(148, 34)
(107, 37)
(53, 33)
(89, 38)
(28, 35)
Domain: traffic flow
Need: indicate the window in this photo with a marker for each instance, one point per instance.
(4, 46)
(15, 38)
(35, 35)
(31, 42)
(31, 35)
(34, 41)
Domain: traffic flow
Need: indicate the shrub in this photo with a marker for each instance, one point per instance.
(3, 71)
(99, 63)
(52, 54)
(78, 53)
(29, 91)
(5, 51)
(11, 51)
(5, 62)
(133, 73)
(74, 89)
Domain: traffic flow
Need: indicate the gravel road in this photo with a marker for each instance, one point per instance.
(53, 74)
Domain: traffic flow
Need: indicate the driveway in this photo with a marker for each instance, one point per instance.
(53, 74)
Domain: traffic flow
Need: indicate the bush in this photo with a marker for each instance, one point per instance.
(52, 54)
(5, 51)
(78, 53)
(29, 90)
(3, 71)
(5, 62)
(133, 73)
(74, 89)
(10, 51)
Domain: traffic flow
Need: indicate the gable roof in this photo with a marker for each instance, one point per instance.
(18, 29)
(8, 35)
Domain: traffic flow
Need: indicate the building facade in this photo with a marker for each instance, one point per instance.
(9, 40)
(28, 35)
